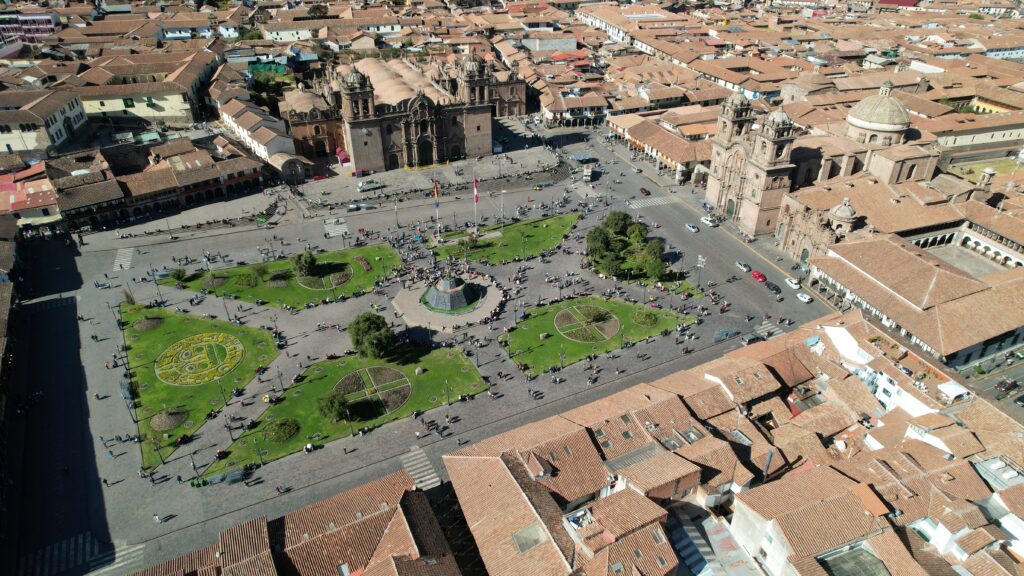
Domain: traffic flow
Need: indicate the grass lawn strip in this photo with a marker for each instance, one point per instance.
(299, 402)
(541, 235)
(539, 355)
(280, 286)
(154, 396)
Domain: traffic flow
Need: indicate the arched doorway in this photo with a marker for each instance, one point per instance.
(425, 152)
(392, 161)
(804, 255)
(730, 207)
(320, 148)
(456, 153)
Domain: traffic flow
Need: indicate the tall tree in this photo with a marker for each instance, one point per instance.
(305, 263)
(317, 11)
(371, 335)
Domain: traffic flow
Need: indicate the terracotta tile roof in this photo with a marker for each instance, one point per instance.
(575, 468)
(710, 402)
(625, 512)
(498, 512)
(633, 398)
(661, 468)
(1013, 499)
(745, 379)
(716, 459)
(244, 541)
(795, 491)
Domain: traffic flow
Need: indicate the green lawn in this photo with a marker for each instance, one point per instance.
(299, 402)
(151, 332)
(340, 268)
(539, 235)
(575, 335)
(972, 171)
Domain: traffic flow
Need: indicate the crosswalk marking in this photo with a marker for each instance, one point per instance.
(123, 260)
(637, 204)
(765, 329)
(415, 462)
(63, 556)
(335, 227)
(121, 560)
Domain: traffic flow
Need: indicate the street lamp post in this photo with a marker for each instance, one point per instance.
(447, 393)
(259, 453)
(192, 459)
(159, 294)
(348, 416)
(477, 353)
(222, 395)
(280, 384)
(227, 424)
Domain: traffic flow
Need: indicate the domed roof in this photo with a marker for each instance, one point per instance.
(737, 99)
(880, 112)
(355, 78)
(844, 211)
(472, 64)
(778, 117)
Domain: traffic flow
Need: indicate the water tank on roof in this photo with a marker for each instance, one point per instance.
(79, 172)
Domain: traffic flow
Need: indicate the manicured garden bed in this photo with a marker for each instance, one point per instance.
(180, 366)
(582, 326)
(341, 273)
(378, 391)
(529, 238)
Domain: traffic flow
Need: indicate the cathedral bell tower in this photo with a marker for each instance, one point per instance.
(474, 81)
(357, 97)
(735, 118)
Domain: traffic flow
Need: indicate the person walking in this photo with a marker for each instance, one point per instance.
(105, 483)
(157, 519)
(110, 453)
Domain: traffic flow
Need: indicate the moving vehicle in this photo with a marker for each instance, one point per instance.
(723, 334)
(692, 228)
(588, 173)
(743, 266)
(368, 185)
(708, 222)
(645, 192)
(1019, 401)
(792, 283)
(752, 338)
(772, 287)
(759, 276)
(804, 298)
(1007, 385)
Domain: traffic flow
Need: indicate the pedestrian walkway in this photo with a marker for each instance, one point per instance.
(123, 260)
(121, 560)
(417, 464)
(60, 557)
(648, 202)
(765, 330)
(335, 227)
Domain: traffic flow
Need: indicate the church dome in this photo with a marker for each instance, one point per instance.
(844, 212)
(778, 118)
(736, 100)
(880, 112)
(355, 78)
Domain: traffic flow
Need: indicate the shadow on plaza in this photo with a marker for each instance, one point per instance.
(62, 498)
(49, 268)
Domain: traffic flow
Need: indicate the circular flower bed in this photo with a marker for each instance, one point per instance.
(280, 430)
(167, 420)
(199, 359)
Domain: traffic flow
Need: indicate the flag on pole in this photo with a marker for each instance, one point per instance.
(436, 200)
(476, 195)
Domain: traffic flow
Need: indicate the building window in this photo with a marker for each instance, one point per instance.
(478, 128)
(656, 534)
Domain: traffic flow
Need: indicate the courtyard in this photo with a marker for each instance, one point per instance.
(183, 367)
(496, 244)
(340, 273)
(377, 391)
(561, 334)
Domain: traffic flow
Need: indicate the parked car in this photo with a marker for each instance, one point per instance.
(645, 192)
(773, 287)
(792, 283)
(692, 228)
(804, 298)
(759, 276)
(743, 266)
(708, 222)
(1019, 401)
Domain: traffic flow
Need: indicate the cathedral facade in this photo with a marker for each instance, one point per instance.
(385, 115)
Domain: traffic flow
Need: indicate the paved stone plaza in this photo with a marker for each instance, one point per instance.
(113, 523)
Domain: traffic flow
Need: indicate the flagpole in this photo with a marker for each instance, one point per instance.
(476, 198)
(437, 211)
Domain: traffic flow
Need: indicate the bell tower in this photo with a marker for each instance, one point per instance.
(773, 143)
(735, 118)
(474, 81)
(357, 97)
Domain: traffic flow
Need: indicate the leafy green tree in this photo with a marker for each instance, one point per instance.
(178, 274)
(333, 405)
(617, 222)
(637, 232)
(317, 11)
(371, 335)
(305, 263)
(654, 249)
(654, 268)
(598, 242)
(254, 34)
(260, 270)
(611, 263)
